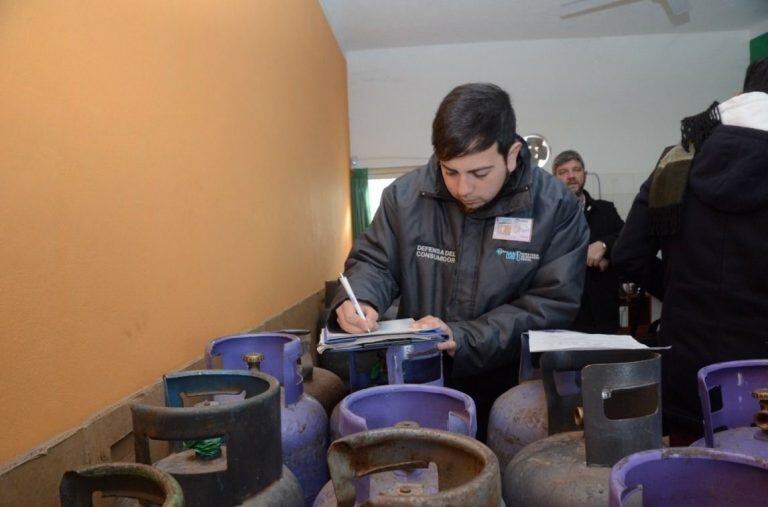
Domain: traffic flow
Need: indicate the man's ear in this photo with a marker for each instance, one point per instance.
(512, 154)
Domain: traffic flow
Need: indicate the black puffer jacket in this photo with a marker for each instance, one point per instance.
(443, 262)
(715, 270)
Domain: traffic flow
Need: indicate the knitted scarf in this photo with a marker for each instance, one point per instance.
(670, 177)
(665, 200)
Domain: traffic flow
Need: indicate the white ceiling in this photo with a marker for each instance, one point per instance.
(375, 24)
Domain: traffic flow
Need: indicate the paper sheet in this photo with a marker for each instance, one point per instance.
(386, 327)
(545, 341)
(389, 332)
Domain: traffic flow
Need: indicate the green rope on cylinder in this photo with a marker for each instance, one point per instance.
(209, 448)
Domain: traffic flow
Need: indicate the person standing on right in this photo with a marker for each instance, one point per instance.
(706, 207)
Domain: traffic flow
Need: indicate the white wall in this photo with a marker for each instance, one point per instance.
(759, 29)
(617, 100)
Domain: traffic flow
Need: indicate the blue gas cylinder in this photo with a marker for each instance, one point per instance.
(304, 422)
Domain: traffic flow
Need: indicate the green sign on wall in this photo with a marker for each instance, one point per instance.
(758, 47)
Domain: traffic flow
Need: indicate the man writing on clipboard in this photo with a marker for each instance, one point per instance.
(476, 243)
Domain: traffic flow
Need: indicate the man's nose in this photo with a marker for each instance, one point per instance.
(464, 187)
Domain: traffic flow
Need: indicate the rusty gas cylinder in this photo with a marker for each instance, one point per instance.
(325, 386)
(519, 416)
(467, 470)
(401, 406)
(124, 480)
(619, 404)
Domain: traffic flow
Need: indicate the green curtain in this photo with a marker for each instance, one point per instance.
(360, 214)
(758, 47)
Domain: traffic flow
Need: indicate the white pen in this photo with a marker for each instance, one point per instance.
(351, 295)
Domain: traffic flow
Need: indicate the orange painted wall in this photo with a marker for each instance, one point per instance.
(170, 171)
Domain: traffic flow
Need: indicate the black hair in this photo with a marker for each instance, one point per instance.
(470, 119)
(756, 79)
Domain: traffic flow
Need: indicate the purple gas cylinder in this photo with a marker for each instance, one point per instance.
(323, 385)
(688, 477)
(403, 406)
(415, 363)
(733, 395)
(304, 422)
(519, 416)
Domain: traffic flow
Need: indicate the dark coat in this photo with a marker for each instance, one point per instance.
(715, 271)
(599, 312)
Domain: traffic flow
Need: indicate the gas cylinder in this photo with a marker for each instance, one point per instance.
(384, 406)
(236, 456)
(619, 407)
(415, 363)
(403, 405)
(323, 385)
(468, 471)
(125, 480)
(519, 416)
(742, 389)
(303, 420)
(688, 477)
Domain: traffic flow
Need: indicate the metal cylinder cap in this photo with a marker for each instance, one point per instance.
(207, 403)
(407, 424)
(253, 359)
(578, 416)
(761, 420)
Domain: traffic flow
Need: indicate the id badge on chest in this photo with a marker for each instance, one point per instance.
(513, 229)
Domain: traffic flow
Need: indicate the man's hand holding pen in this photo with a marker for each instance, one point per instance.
(350, 322)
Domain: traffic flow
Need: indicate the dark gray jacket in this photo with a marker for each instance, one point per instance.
(444, 262)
